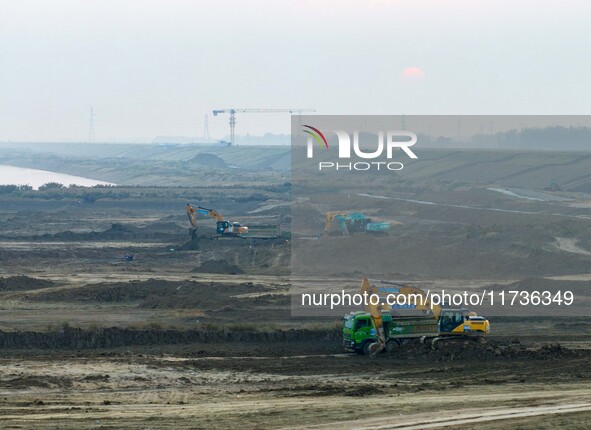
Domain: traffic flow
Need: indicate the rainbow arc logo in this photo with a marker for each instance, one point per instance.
(316, 134)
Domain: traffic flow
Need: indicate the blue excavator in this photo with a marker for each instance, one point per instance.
(354, 222)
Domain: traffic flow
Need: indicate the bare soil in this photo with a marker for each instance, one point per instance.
(199, 334)
(137, 388)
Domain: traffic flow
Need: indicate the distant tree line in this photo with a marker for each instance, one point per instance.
(576, 138)
(57, 191)
(556, 138)
(8, 189)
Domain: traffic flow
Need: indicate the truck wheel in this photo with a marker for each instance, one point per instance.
(435, 343)
(367, 347)
(392, 346)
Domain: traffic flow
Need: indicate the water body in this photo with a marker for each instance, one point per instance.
(11, 175)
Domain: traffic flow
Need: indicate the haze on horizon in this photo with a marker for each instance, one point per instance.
(155, 68)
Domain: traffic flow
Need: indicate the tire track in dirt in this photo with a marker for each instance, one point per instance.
(475, 416)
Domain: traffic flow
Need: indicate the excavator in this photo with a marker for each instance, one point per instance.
(381, 326)
(355, 222)
(223, 228)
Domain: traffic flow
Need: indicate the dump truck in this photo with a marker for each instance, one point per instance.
(359, 333)
(382, 327)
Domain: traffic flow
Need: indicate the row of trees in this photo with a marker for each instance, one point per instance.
(8, 189)
(547, 138)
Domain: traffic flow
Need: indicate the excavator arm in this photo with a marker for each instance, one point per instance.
(375, 310)
(415, 296)
(330, 216)
(211, 213)
(424, 303)
(191, 211)
(191, 214)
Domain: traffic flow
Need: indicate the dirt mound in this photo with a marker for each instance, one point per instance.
(27, 382)
(472, 350)
(165, 231)
(581, 326)
(163, 226)
(74, 338)
(192, 245)
(23, 283)
(218, 266)
(157, 294)
(210, 160)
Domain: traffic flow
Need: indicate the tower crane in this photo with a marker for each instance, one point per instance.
(233, 113)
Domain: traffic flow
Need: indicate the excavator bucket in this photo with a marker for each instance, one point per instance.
(376, 318)
(376, 348)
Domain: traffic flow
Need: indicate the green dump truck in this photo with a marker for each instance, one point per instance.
(359, 333)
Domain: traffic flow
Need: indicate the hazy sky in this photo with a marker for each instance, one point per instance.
(157, 67)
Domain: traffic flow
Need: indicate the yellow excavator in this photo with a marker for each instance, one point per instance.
(382, 326)
(223, 228)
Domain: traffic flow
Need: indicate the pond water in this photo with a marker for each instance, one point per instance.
(11, 175)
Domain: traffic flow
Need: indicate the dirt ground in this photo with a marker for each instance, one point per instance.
(200, 334)
(530, 386)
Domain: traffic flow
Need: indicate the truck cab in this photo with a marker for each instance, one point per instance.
(358, 332)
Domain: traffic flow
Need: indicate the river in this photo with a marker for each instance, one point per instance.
(11, 175)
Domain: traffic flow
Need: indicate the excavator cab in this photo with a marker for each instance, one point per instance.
(451, 319)
(222, 226)
(231, 228)
(462, 321)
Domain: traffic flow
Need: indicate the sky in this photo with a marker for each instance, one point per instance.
(157, 67)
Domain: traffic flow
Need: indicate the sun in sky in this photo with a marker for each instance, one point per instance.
(412, 74)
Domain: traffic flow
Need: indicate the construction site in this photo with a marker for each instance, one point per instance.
(295, 215)
(161, 304)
